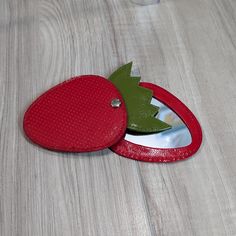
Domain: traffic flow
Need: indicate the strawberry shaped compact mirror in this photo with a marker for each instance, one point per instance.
(137, 120)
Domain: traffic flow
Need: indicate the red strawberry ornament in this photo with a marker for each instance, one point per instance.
(90, 113)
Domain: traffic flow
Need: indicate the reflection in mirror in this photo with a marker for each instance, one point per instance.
(177, 136)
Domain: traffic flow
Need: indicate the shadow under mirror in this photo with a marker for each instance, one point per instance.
(177, 136)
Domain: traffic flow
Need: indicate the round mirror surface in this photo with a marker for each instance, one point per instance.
(177, 136)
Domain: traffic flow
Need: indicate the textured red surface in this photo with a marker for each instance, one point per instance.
(142, 153)
(77, 116)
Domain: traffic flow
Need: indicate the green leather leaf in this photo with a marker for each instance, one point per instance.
(141, 113)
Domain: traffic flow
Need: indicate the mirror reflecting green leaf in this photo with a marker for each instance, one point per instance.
(178, 136)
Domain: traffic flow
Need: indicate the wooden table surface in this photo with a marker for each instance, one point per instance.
(185, 46)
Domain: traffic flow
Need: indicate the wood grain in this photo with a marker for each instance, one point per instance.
(186, 46)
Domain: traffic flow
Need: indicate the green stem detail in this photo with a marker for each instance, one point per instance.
(141, 113)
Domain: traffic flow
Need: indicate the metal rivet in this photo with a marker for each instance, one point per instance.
(116, 103)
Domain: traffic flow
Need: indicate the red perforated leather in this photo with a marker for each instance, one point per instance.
(77, 116)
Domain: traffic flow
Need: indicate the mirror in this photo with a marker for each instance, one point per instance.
(177, 136)
(178, 143)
